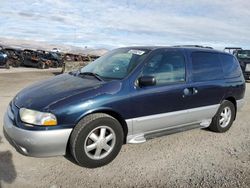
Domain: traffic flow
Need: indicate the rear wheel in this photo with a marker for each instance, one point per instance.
(7, 65)
(47, 65)
(41, 65)
(96, 140)
(224, 117)
(16, 63)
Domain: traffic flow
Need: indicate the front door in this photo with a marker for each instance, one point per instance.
(162, 105)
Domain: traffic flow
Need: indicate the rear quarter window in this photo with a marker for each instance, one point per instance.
(230, 65)
(206, 66)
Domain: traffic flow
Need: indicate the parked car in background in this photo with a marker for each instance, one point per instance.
(72, 62)
(232, 50)
(56, 50)
(34, 58)
(56, 59)
(129, 95)
(243, 57)
(14, 56)
(4, 60)
(53, 59)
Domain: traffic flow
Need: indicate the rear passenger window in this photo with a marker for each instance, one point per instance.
(206, 66)
(230, 65)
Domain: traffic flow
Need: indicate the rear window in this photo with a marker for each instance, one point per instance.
(206, 66)
(230, 65)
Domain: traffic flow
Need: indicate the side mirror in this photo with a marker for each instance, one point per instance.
(146, 81)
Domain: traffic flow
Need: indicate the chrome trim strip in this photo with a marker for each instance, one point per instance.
(171, 130)
(157, 116)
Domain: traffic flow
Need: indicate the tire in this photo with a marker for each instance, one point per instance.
(223, 126)
(91, 126)
(16, 64)
(46, 66)
(41, 65)
(55, 64)
(7, 65)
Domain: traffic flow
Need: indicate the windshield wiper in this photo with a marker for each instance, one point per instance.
(91, 74)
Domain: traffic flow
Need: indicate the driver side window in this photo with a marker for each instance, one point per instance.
(167, 67)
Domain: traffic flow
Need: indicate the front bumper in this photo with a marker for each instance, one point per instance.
(36, 143)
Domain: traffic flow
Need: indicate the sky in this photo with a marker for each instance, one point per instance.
(116, 23)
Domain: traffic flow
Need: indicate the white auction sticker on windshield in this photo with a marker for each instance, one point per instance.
(136, 52)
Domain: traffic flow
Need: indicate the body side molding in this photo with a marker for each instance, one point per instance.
(141, 126)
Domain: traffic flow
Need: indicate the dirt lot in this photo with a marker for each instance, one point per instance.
(196, 158)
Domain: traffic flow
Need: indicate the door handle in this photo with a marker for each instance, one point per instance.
(189, 91)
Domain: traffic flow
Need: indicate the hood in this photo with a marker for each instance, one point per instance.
(42, 94)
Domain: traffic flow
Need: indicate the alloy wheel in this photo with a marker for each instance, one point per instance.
(100, 142)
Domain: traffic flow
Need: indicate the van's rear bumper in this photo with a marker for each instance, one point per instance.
(36, 143)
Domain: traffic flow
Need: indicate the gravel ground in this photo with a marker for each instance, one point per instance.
(196, 158)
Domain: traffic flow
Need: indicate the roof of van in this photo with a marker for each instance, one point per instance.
(186, 47)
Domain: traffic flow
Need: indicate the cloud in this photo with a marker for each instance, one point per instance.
(114, 23)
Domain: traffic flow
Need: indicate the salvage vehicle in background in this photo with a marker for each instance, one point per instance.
(129, 95)
(32, 58)
(243, 57)
(73, 62)
(14, 56)
(232, 50)
(44, 59)
(53, 59)
(4, 60)
(56, 59)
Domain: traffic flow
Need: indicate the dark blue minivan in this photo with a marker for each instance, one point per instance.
(129, 95)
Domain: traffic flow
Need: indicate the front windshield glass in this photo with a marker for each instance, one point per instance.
(243, 54)
(116, 64)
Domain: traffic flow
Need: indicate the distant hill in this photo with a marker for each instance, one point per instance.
(39, 45)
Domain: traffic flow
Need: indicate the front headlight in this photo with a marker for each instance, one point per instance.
(37, 118)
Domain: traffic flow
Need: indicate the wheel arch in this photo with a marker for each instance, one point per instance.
(232, 100)
(113, 114)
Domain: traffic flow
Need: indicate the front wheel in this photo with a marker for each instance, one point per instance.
(224, 117)
(96, 140)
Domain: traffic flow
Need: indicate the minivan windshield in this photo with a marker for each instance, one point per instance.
(116, 64)
(243, 54)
